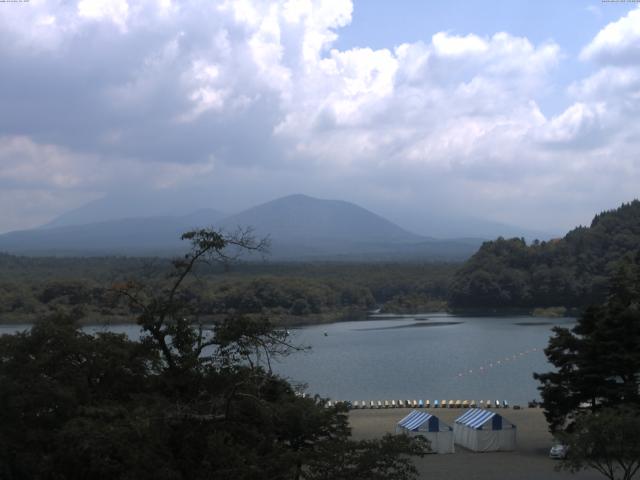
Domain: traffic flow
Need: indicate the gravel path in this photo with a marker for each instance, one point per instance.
(529, 462)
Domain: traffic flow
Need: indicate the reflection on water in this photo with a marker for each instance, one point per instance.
(533, 324)
(463, 358)
(411, 325)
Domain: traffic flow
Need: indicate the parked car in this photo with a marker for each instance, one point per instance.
(559, 451)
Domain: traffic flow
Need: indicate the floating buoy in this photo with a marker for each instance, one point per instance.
(482, 369)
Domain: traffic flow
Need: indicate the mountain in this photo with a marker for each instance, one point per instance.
(303, 218)
(304, 227)
(431, 222)
(300, 228)
(571, 272)
(128, 236)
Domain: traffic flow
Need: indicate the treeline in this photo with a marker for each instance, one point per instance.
(289, 293)
(287, 299)
(570, 272)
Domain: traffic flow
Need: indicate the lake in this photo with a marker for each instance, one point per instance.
(432, 357)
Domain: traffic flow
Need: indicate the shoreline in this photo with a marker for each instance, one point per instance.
(296, 322)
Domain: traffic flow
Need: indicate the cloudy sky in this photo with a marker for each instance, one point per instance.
(520, 112)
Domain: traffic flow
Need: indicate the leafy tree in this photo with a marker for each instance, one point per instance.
(300, 307)
(607, 441)
(367, 459)
(56, 380)
(598, 361)
(185, 402)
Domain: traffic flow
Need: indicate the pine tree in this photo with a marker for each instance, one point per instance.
(598, 361)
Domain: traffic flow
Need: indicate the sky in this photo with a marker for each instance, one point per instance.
(518, 112)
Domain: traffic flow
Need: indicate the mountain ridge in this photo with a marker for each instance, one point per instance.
(303, 216)
(300, 227)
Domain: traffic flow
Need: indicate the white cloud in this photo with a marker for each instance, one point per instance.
(608, 81)
(579, 121)
(446, 45)
(26, 163)
(202, 80)
(617, 43)
(116, 11)
(607, 100)
(23, 162)
(440, 104)
(151, 91)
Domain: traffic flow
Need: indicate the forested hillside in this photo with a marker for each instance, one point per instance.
(570, 272)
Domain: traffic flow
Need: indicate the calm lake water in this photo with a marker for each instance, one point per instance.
(412, 357)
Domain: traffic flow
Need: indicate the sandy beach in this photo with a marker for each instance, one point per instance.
(529, 461)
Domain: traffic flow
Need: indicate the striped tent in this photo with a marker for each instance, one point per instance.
(484, 431)
(439, 434)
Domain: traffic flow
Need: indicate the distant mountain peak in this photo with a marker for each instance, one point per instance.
(298, 216)
(301, 198)
(300, 227)
(296, 196)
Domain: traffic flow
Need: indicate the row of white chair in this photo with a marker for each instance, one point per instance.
(423, 404)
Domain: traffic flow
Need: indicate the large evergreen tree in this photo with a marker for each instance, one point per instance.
(598, 361)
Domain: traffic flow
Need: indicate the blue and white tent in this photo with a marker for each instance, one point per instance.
(439, 434)
(484, 431)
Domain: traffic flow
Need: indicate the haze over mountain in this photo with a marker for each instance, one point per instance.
(304, 227)
(300, 227)
(130, 236)
(133, 204)
(300, 217)
(429, 220)
(435, 223)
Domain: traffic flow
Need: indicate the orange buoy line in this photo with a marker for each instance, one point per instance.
(497, 363)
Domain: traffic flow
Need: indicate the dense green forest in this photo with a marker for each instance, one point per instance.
(290, 293)
(571, 272)
(182, 403)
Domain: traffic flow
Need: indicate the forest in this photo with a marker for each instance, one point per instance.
(569, 272)
(289, 293)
